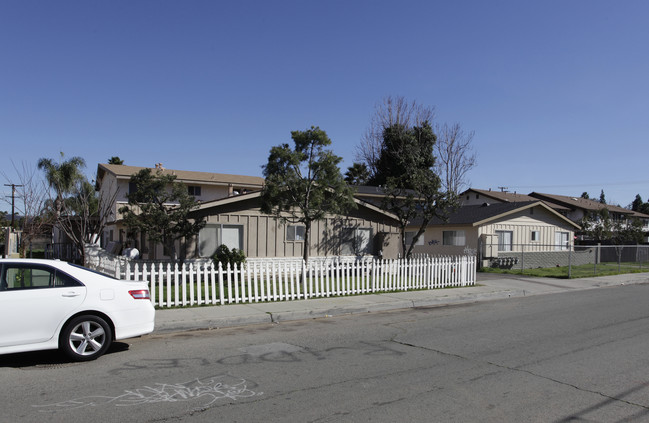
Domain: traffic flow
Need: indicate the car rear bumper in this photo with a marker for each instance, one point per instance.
(136, 322)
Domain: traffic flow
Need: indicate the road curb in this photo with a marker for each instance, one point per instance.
(251, 314)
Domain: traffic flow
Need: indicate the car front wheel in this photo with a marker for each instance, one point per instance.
(85, 338)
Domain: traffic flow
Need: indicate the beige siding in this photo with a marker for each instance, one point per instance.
(521, 225)
(265, 236)
(434, 241)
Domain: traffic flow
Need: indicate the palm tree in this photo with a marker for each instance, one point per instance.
(62, 177)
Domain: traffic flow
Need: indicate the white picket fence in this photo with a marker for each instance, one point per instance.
(174, 285)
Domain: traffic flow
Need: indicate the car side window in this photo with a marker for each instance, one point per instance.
(33, 277)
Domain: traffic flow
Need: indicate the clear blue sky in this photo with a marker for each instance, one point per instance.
(557, 92)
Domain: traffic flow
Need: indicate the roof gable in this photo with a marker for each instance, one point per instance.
(478, 215)
(257, 194)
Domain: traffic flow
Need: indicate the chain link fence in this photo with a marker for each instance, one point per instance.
(563, 260)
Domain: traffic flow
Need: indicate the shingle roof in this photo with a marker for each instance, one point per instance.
(503, 196)
(467, 215)
(512, 197)
(257, 194)
(122, 171)
(475, 214)
(579, 203)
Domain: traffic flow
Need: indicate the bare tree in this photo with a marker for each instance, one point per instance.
(84, 215)
(389, 112)
(454, 156)
(32, 197)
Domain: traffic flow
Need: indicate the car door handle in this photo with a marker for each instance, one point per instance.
(70, 294)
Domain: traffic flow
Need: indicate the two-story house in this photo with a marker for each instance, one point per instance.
(113, 185)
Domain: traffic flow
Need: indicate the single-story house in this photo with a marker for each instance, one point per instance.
(492, 231)
(574, 208)
(239, 223)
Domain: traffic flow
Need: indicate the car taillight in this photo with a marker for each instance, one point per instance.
(140, 294)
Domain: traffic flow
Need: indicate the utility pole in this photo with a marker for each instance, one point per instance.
(13, 202)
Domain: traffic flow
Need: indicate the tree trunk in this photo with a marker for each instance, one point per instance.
(403, 242)
(307, 243)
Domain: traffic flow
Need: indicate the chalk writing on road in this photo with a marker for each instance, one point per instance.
(210, 389)
(275, 353)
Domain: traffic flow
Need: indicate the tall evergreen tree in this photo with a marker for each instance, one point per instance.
(304, 183)
(405, 171)
(159, 207)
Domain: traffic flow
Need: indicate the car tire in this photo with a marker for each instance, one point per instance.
(85, 338)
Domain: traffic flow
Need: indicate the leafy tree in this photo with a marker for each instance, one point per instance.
(453, 147)
(585, 196)
(357, 174)
(630, 233)
(598, 225)
(388, 112)
(639, 206)
(303, 183)
(115, 160)
(412, 188)
(160, 207)
(4, 223)
(601, 228)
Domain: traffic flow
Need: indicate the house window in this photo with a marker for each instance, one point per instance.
(505, 240)
(212, 236)
(561, 240)
(194, 190)
(356, 241)
(536, 236)
(295, 232)
(410, 235)
(456, 238)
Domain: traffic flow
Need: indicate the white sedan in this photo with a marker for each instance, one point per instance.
(49, 304)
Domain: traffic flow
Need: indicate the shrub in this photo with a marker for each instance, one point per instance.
(226, 256)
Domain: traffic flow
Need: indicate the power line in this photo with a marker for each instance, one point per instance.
(602, 184)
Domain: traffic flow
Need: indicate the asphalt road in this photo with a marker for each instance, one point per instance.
(574, 356)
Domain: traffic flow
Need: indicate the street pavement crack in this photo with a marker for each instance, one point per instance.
(531, 373)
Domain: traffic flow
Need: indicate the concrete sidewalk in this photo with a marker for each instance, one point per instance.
(489, 287)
